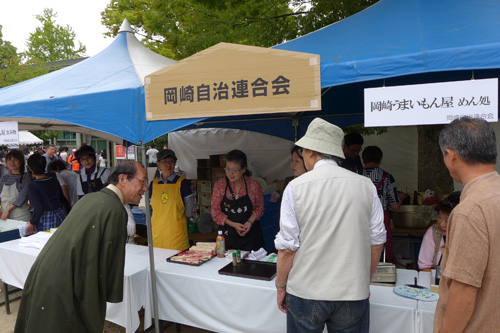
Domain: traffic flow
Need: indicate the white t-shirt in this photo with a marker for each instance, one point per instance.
(152, 155)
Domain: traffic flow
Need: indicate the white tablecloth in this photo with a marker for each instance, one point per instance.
(16, 262)
(199, 296)
(390, 312)
(426, 310)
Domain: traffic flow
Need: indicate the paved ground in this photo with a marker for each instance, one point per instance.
(7, 322)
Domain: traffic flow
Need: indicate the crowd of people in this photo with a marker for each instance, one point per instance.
(334, 215)
(41, 185)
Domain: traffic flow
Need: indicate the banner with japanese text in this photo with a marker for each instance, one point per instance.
(9, 133)
(230, 79)
(431, 103)
(125, 153)
(120, 152)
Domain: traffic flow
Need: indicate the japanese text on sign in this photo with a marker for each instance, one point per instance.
(437, 103)
(220, 90)
(434, 103)
(9, 133)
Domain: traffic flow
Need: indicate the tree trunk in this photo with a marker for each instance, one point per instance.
(432, 172)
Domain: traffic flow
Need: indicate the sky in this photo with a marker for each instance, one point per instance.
(17, 18)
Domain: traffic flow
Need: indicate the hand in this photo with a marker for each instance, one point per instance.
(247, 226)
(4, 215)
(281, 297)
(30, 228)
(237, 226)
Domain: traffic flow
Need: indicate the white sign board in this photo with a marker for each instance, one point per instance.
(9, 133)
(432, 103)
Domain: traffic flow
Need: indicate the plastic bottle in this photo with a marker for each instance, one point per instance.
(238, 256)
(221, 245)
(234, 259)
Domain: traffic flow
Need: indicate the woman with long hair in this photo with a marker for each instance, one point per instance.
(14, 188)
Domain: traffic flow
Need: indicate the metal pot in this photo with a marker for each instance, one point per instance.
(412, 217)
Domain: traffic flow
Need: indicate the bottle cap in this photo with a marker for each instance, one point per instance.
(238, 251)
(220, 232)
(234, 254)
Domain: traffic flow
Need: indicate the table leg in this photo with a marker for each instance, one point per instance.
(7, 304)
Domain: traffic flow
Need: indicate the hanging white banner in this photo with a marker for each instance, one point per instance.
(432, 103)
(9, 133)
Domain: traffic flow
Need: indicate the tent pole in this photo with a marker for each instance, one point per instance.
(295, 124)
(150, 247)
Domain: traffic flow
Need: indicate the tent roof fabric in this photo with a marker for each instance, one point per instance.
(27, 138)
(102, 95)
(393, 38)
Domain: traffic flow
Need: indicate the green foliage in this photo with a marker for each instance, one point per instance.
(160, 142)
(52, 42)
(7, 50)
(180, 28)
(46, 136)
(12, 69)
(321, 13)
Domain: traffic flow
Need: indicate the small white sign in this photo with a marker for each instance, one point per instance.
(432, 103)
(9, 133)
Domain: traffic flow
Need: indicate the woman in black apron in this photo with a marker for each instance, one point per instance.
(237, 204)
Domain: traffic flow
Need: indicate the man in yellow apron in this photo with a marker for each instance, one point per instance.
(172, 201)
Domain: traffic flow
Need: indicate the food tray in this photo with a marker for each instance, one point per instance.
(187, 263)
(416, 293)
(251, 269)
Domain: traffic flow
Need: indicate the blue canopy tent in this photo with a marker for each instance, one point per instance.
(102, 95)
(393, 42)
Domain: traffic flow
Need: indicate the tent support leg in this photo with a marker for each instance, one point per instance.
(295, 124)
(150, 247)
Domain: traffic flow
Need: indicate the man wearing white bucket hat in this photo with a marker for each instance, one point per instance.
(331, 219)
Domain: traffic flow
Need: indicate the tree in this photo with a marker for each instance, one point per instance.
(180, 28)
(7, 50)
(52, 42)
(12, 69)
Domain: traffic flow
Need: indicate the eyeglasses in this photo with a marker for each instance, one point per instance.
(231, 170)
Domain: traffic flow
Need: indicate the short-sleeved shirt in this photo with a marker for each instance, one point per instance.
(69, 179)
(472, 252)
(385, 184)
(152, 155)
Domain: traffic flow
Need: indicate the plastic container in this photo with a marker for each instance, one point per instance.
(238, 256)
(221, 245)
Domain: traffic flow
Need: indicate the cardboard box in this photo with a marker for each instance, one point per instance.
(217, 173)
(203, 174)
(204, 186)
(205, 209)
(203, 163)
(205, 199)
(217, 161)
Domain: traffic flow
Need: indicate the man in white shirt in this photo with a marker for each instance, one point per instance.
(152, 159)
(330, 240)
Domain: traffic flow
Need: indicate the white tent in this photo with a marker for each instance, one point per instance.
(26, 138)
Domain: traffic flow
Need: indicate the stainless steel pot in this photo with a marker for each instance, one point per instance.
(412, 217)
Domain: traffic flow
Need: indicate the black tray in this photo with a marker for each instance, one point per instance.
(186, 263)
(259, 270)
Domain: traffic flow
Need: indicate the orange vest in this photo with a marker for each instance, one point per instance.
(75, 166)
